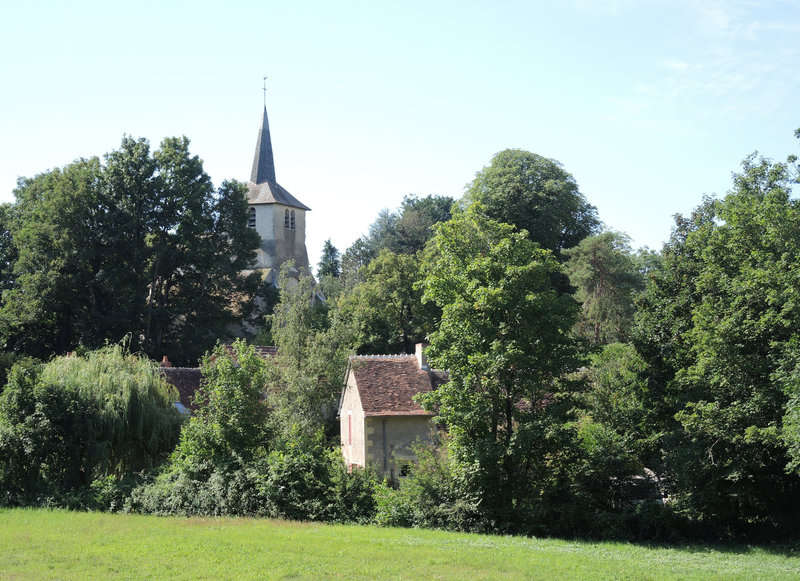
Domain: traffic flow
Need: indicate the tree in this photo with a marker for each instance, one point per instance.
(222, 454)
(603, 269)
(313, 346)
(140, 245)
(232, 419)
(386, 308)
(718, 325)
(330, 262)
(7, 250)
(74, 420)
(403, 232)
(60, 252)
(535, 194)
(504, 338)
(416, 219)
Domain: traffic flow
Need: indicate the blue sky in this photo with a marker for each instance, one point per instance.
(649, 103)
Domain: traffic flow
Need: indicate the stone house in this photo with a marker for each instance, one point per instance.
(379, 420)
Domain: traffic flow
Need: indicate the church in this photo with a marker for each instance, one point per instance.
(277, 216)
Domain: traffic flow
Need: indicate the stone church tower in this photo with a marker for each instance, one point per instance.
(278, 217)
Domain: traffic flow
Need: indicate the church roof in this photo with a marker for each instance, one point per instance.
(272, 193)
(263, 188)
(263, 161)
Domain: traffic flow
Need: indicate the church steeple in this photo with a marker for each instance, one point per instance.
(263, 162)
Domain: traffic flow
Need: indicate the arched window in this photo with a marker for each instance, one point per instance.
(293, 223)
(286, 219)
(251, 217)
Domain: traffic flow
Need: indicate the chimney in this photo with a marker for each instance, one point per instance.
(422, 359)
(165, 362)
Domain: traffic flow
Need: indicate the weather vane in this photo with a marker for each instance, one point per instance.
(265, 90)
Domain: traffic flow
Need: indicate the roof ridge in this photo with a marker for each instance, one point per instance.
(382, 356)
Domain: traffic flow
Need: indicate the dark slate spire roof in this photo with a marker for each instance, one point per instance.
(272, 193)
(263, 188)
(263, 162)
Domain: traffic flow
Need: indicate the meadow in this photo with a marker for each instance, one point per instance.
(56, 544)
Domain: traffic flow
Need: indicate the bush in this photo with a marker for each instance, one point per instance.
(74, 420)
(431, 496)
(307, 481)
(230, 462)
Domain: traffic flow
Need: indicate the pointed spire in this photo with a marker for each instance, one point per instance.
(263, 162)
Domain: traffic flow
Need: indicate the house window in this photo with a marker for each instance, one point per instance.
(292, 220)
(350, 428)
(286, 219)
(251, 218)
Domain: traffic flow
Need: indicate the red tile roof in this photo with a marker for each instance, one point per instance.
(186, 380)
(262, 351)
(387, 383)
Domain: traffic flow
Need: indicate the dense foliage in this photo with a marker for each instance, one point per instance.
(233, 458)
(504, 338)
(650, 396)
(719, 326)
(534, 194)
(605, 273)
(71, 423)
(140, 244)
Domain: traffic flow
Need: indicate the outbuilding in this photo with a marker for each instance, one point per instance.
(379, 419)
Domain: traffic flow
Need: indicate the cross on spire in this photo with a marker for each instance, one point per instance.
(265, 91)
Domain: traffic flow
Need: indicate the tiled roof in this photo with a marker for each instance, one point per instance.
(387, 383)
(186, 380)
(262, 351)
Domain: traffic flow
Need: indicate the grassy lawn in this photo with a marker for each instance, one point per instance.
(42, 544)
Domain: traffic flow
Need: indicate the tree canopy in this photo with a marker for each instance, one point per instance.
(504, 338)
(604, 271)
(535, 194)
(139, 244)
(718, 325)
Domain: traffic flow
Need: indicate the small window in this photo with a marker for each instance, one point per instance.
(293, 223)
(251, 218)
(286, 219)
(349, 429)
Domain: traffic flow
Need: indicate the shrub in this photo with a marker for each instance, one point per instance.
(74, 420)
(431, 496)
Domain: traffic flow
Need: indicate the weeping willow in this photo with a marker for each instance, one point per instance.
(82, 418)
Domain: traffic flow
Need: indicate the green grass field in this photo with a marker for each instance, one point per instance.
(42, 544)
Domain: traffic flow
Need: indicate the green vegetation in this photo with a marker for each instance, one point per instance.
(593, 391)
(534, 194)
(139, 245)
(41, 544)
(73, 428)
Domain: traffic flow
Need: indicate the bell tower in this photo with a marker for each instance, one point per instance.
(277, 216)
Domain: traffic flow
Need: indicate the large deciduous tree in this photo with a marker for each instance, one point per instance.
(141, 244)
(535, 194)
(386, 307)
(719, 326)
(504, 338)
